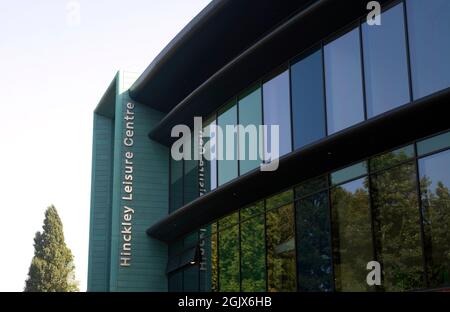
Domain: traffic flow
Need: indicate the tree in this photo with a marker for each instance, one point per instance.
(52, 268)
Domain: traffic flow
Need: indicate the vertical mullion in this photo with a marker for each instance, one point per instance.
(372, 217)
(237, 139)
(322, 48)
(240, 250)
(169, 193)
(408, 52)
(265, 242)
(330, 215)
(332, 242)
(291, 117)
(294, 204)
(263, 122)
(422, 229)
(363, 74)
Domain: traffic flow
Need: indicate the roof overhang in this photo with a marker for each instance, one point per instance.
(213, 38)
(304, 29)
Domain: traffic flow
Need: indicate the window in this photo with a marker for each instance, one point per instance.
(349, 173)
(210, 166)
(176, 184)
(276, 99)
(429, 41)
(397, 227)
(281, 267)
(385, 63)
(432, 144)
(227, 164)
(250, 114)
(229, 277)
(314, 264)
(343, 81)
(253, 251)
(308, 107)
(392, 158)
(435, 184)
(352, 235)
(214, 260)
(191, 190)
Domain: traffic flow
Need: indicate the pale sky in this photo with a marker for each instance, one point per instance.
(53, 72)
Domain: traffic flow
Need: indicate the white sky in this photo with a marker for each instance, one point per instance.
(53, 72)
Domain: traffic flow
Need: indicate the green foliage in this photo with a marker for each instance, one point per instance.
(52, 268)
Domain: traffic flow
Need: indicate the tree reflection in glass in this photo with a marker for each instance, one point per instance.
(352, 237)
(281, 271)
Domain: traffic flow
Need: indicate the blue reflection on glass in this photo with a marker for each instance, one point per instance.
(429, 40)
(343, 82)
(277, 109)
(308, 100)
(385, 63)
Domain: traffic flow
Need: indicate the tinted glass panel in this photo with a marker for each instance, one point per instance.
(228, 166)
(429, 41)
(308, 107)
(175, 281)
(252, 210)
(229, 259)
(435, 184)
(311, 186)
(206, 259)
(250, 117)
(210, 162)
(281, 271)
(392, 158)
(385, 63)
(352, 235)
(433, 144)
(344, 95)
(349, 173)
(253, 253)
(214, 263)
(313, 244)
(280, 199)
(191, 278)
(176, 184)
(277, 110)
(397, 227)
(191, 190)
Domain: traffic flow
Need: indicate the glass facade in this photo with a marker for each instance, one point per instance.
(176, 184)
(320, 235)
(435, 196)
(227, 144)
(429, 45)
(333, 86)
(352, 239)
(343, 82)
(314, 261)
(308, 106)
(250, 114)
(385, 63)
(277, 111)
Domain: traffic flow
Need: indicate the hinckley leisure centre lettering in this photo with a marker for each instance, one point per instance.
(127, 187)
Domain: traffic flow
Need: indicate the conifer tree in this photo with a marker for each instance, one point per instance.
(52, 268)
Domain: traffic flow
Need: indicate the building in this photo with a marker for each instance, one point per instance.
(364, 172)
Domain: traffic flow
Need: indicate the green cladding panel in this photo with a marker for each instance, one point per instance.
(145, 267)
(101, 196)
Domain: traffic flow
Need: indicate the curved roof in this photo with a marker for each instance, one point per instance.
(220, 32)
